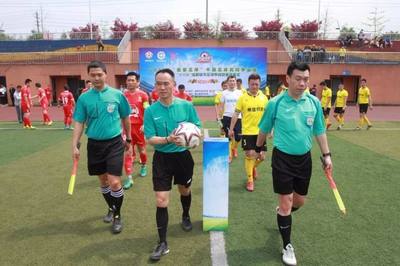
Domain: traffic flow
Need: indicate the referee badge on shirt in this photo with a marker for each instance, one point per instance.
(110, 107)
(310, 121)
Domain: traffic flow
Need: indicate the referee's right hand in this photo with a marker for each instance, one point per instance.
(75, 153)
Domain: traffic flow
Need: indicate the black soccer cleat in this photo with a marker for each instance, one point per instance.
(186, 224)
(160, 250)
(109, 216)
(116, 227)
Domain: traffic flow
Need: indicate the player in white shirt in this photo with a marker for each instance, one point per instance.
(228, 104)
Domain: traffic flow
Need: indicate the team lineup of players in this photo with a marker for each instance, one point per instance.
(240, 113)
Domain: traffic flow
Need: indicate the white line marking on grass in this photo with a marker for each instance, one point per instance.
(217, 240)
(28, 129)
(218, 254)
(372, 129)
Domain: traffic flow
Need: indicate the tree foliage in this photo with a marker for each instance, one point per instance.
(197, 30)
(268, 29)
(233, 30)
(83, 32)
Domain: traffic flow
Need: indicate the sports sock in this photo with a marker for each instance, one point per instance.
(361, 122)
(47, 118)
(106, 191)
(337, 118)
(128, 164)
(143, 158)
(118, 198)
(285, 227)
(256, 163)
(186, 202)
(249, 165)
(231, 147)
(366, 120)
(342, 120)
(162, 223)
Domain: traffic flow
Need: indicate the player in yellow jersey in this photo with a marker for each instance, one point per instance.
(281, 88)
(340, 105)
(326, 104)
(217, 105)
(251, 105)
(267, 92)
(364, 101)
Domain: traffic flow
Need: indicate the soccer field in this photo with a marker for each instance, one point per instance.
(42, 225)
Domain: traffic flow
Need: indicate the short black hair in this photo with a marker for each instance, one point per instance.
(364, 80)
(254, 76)
(298, 66)
(230, 77)
(166, 70)
(27, 81)
(97, 64)
(223, 82)
(181, 86)
(87, 81)
(240, 80)
(19, 87)
(37, 84)
(322, 83)
(133, 73)
(66, 87)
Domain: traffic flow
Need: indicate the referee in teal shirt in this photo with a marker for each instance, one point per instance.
(171, 161)
(102, 109)
(293, 117)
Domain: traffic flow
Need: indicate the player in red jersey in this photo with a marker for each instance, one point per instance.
(68, 102)
(26, 103)
(88, 86)
(44, 103)
(182, 94)
(138, 101)
(47, 91)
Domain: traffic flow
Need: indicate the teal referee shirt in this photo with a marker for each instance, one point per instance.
(160, 120)
(102, 112)
(294, 122)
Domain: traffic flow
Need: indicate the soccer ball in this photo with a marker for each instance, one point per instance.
(189, 134)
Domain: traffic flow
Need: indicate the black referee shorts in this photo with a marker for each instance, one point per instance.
(175, 165)
(105, 156)
(291, 172)
(237, 130)
(363, 107)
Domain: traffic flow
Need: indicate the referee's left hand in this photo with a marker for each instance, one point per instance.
(128, 147)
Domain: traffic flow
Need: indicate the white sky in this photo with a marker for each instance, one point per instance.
(17, 16)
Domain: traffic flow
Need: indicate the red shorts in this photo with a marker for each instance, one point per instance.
(67, 111)
(45, 106)
(25, 109)
(137, 135)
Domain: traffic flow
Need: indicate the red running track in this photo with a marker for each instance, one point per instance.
(207, 113)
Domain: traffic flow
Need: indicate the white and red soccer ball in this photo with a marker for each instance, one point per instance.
(189, 134)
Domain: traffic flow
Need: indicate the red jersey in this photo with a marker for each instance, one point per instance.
(42, 97)
(85, 90)
(183, 95)
(25, 96)
(67, 99)
(154, 96)
(137, 102)
(48, 93)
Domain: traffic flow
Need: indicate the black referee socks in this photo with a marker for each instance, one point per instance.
(118, 198)
(162, 223)
(285, 228)
(106, 191)
(186, 201)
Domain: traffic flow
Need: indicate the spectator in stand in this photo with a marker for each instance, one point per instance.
(307, 54)
(299, 55)
(182, 94)
(342, 54)
(100, 44)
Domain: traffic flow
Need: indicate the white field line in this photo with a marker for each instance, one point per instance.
(217, 240)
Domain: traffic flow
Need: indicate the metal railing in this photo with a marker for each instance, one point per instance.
(132, 57)
(181, 34)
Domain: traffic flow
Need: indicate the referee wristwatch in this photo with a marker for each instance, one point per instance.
(327, 154)
(128, 141)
